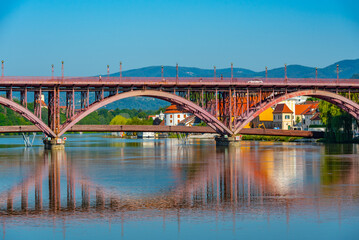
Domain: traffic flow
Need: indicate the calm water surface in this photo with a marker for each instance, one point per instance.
(108, 188)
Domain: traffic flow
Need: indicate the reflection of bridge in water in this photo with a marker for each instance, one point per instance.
(233, 181)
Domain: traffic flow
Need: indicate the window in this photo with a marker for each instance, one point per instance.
(287, 116)
(178, 116)
(184, 116)
(171, 116)
(178, 121)
(170, 121)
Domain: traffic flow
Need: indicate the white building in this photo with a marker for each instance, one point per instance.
(174, 115)
(161, 116)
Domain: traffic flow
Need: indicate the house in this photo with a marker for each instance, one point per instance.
(293, 103)
(160, 116)
(43, 104)
(305, 113)
(174, 115)
(265, 118)
(316, 120)
(282, 117)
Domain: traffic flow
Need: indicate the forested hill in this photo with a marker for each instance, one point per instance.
(347, 69)
(355, 76)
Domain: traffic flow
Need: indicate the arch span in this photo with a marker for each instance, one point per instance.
(342, 102)
(198, 111)
(26, 113)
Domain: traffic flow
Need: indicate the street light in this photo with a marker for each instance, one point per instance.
(231, 72)
(214, 73)
(120, 71)
(162, 73)
(62, 69)
(2, 68)
(266, 73)
(176, 73)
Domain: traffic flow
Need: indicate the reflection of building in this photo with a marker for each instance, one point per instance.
(145, 135)
(174, 115)
(282, 117)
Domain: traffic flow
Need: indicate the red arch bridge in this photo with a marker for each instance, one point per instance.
(225, 104)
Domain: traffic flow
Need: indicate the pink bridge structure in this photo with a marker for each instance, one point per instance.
(225, 104)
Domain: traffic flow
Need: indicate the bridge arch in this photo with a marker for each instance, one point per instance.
(26, 113)
(198, 111)
(338, 100)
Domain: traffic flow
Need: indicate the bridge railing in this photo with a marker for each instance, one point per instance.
(172, 80)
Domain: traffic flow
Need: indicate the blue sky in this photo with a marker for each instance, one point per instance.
(252, 34)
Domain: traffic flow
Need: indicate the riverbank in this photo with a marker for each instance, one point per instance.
(271, 138)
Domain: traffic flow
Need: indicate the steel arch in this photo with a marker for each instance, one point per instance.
(27, 114)
(205, 116)
(342, 102)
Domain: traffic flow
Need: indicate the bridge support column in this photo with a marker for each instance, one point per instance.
(54, 143)
(224, 140)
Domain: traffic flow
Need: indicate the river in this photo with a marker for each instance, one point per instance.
(111, 188)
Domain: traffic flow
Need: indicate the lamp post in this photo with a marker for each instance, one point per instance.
(162, 73)
(2, 68)
(62, 69)
(231, 72)
(337, 73)
(120, 71)
(52, 70)
(214, 73)
(108, 72)
(285, 73)
(316, 74)
(176, 73)
(266, 73)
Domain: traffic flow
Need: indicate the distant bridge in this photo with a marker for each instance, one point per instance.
(159, 128)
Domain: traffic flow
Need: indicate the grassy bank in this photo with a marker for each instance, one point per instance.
(270, 138)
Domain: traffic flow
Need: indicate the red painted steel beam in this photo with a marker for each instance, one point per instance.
(159, 128)
(198, 111)
(27, 114)
(325, 95)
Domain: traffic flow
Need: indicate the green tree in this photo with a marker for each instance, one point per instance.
(118, 120)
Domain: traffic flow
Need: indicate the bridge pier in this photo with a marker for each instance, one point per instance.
(224, 140)
(54, 143)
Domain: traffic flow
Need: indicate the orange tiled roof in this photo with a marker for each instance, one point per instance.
(300, 108)
(173, 109)
(282, 108)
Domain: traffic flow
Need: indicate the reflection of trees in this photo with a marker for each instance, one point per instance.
(334, 170)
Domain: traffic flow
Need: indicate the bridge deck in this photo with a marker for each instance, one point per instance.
(158, 128)
(173, 82)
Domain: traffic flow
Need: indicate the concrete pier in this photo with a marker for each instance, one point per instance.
(226, 141)
(54, 143)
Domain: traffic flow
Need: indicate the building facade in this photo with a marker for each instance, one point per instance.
(282, 117)
(174, 115)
